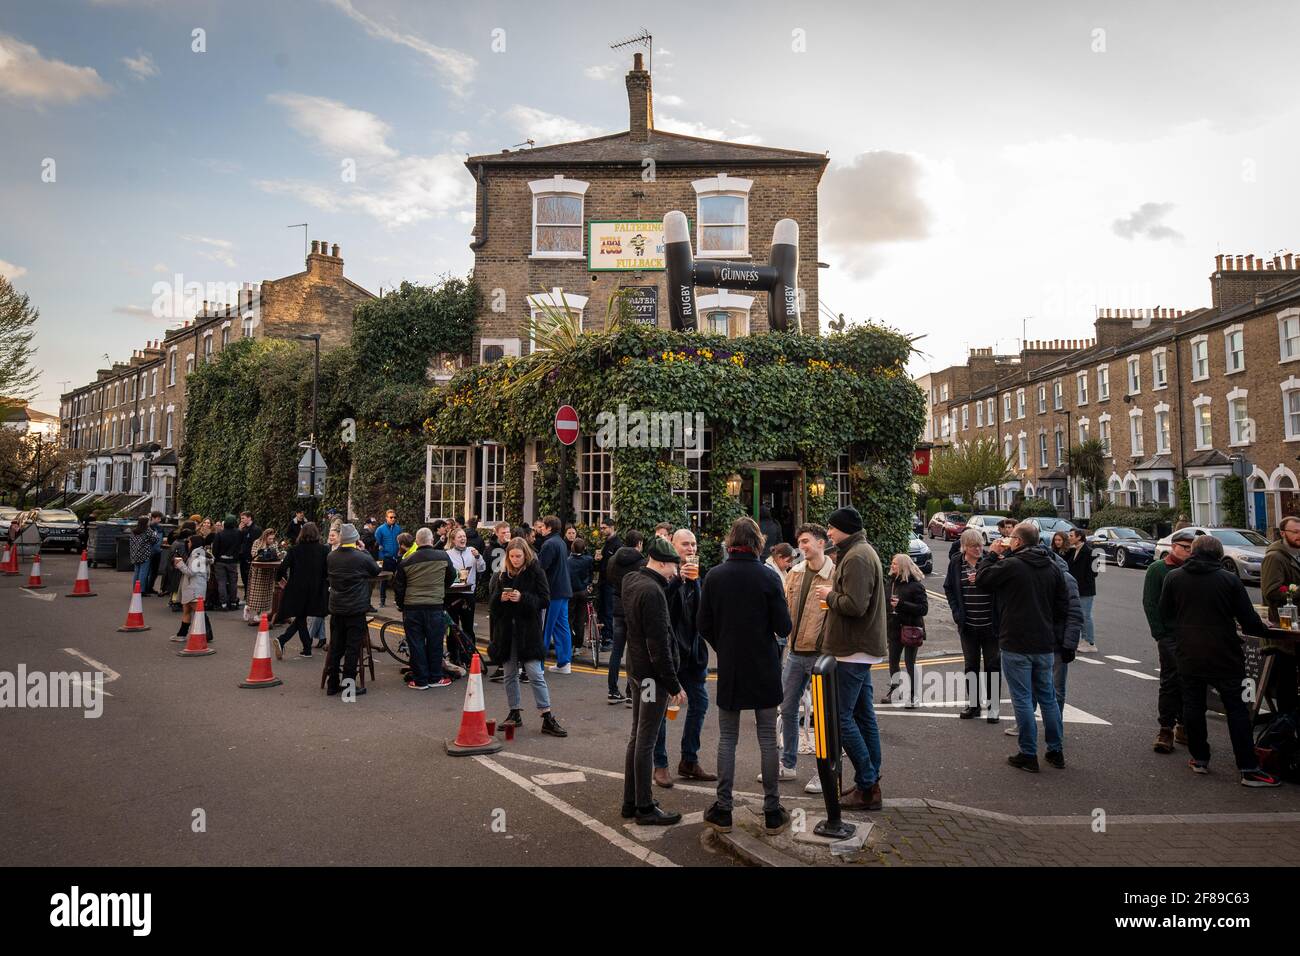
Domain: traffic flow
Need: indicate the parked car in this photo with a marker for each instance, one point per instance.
(1049, 526)
(8, 514)
(920, 552)
(58, 528)
(947, 525)
(1243, 550)
(987, 526)
(918, 525)
(1127, 547)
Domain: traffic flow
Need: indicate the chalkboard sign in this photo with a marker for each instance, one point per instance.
(643, 303)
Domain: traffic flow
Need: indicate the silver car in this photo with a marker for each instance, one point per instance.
(1243, 550)
(987, 526)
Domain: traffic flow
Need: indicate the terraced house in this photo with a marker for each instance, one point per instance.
(1196, 394)
(130, 420)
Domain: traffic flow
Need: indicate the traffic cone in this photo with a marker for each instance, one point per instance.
(473, 737)
(82, 587)
(259, 674)
(198, 642)
(135, 614)
(4, 562)
(34, 579)
(10, 567)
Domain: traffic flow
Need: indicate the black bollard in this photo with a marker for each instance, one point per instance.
(826, 724)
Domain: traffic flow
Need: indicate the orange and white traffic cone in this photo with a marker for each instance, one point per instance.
(198, 635)
(82, 587)
(473, 737)
(259, 674)
(135, 614)
(10, 567)
(4, 562)
(34, 579)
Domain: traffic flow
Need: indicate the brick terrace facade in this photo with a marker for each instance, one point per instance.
(1175, 394)
(130, 419)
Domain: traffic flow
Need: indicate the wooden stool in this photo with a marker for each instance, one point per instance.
(365, 659)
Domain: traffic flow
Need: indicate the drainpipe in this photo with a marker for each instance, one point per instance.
(478, 243)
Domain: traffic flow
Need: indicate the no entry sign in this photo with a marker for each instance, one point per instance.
(566, 424)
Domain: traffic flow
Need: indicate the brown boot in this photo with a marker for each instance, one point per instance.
(855, 799)
(693, 771)
(874, 800)
(1180, 735)
(663, 778)
(1164, 741)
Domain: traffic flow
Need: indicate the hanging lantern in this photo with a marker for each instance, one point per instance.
(305, 488)
(816, 487)
(733, 485)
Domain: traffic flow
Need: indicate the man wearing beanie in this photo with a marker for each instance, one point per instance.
(855, 635)
(351, 571)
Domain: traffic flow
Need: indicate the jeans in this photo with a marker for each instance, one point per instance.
(141, 577)
(697, 706)
(390, 565)
(1029, 676)
(858, 731)
(897, 650)
(347, 631)
(1198, 743)
(536, 680)
(647, 715)
(977, 642)
(316, 625)
(557, 631)
(425, 627)
(796, 672)
(616, 652)
(1169, 705)
(1060, 669)
(728, 734)
(1088, 633)
(227, 582)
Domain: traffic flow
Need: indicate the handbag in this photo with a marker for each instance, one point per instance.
(911, 635)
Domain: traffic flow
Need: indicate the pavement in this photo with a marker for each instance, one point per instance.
(184, 767)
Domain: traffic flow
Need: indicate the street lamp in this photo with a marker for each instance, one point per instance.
(734, 483)
(817, 487)
(312, 458)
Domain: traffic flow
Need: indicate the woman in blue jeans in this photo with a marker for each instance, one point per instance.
(140, 540)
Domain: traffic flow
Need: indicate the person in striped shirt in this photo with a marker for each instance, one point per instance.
(975, 612)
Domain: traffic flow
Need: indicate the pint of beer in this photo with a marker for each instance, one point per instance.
(672, 711)
(691, 571)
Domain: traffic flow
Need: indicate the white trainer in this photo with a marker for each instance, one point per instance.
(814, 785)
(783, 773)
(556, 668)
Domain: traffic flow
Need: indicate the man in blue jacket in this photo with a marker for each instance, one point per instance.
(386, 537)
(554, 559)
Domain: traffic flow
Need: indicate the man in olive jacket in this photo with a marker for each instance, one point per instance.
(1281, 568)
(856, 636)
(420, 586)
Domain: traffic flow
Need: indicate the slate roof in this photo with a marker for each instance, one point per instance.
(674, 148)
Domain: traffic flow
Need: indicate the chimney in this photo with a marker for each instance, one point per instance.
(1218, 262)
(641, 116)
(334, 250)
(1288, 262)
(315, 247)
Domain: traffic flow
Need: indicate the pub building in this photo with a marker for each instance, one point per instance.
(568, 225)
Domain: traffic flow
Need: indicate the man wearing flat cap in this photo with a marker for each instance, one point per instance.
(1169, 706)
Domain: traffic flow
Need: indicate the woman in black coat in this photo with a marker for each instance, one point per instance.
(908, 605)
(516, 600)
(307, 592)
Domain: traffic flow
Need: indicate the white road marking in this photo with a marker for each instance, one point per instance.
(1086, 660)
(1073, 715)
(76, 679)
(110, 675)
(551, 779)
(615, 838)
(1122, 660)
(1132, 673)
(39, 597)
(658, 833)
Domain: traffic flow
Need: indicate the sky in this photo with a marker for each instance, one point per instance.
(994, 167)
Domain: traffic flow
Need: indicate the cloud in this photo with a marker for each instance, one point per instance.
(875, 199)
(135, 311)
(601, 72)
(11, 271)
(669, 124)
(547, 127)
(339, 128)
(142, 67)
(26, 76)
(161, 267)
(454, 68)
(670, 99)
(1145, 222)
(218, 250)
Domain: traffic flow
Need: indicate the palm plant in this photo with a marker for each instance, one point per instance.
(1088, 464)
(556, 331)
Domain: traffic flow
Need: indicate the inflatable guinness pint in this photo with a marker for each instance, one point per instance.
(780, 279)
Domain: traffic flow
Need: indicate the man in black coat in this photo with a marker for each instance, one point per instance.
(607, 550)
(652, 666)
(1203, 604)
(225, 559)
(692, 666)
(249, 532)
(1033, 602)
(624, 561)
(295, 527)
(742, 615)
(351, 571)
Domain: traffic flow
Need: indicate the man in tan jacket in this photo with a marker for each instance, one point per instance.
(808, 617)
(855, 635)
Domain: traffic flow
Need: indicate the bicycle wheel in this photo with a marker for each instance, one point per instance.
(394, 643)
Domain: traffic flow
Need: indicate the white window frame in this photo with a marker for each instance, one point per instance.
(1162, 429)
(1006, 407)
(171, 422)
(557, 298)
(1022, 450)
(979, 414)
(1198, 403)
(1042, 449)
(1103, 383)
(1136, 440)
(1058, 395)
(1159, 368)
(1237, 401)
(737, 308)
(558, 185)
(965, 417)
(1081, 389)
(1042, 399)
(457, 505)
(715, 186)
(171, 365)
(490, 506)
(698, 465)
(1103, 433)
(840, 474)
(1200, 344)
(1020, 403)
(595, 481)
(1059, 442)
(1230, 364)
(1134, 366)
(1284, 318)
(1082, 426)
(990, 417)
(1290, 430)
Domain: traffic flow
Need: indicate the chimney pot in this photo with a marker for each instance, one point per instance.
(1241, 263)
(1288, 261)
(315, 247)
(335, 250)
(1218, 263)
(636, 62)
